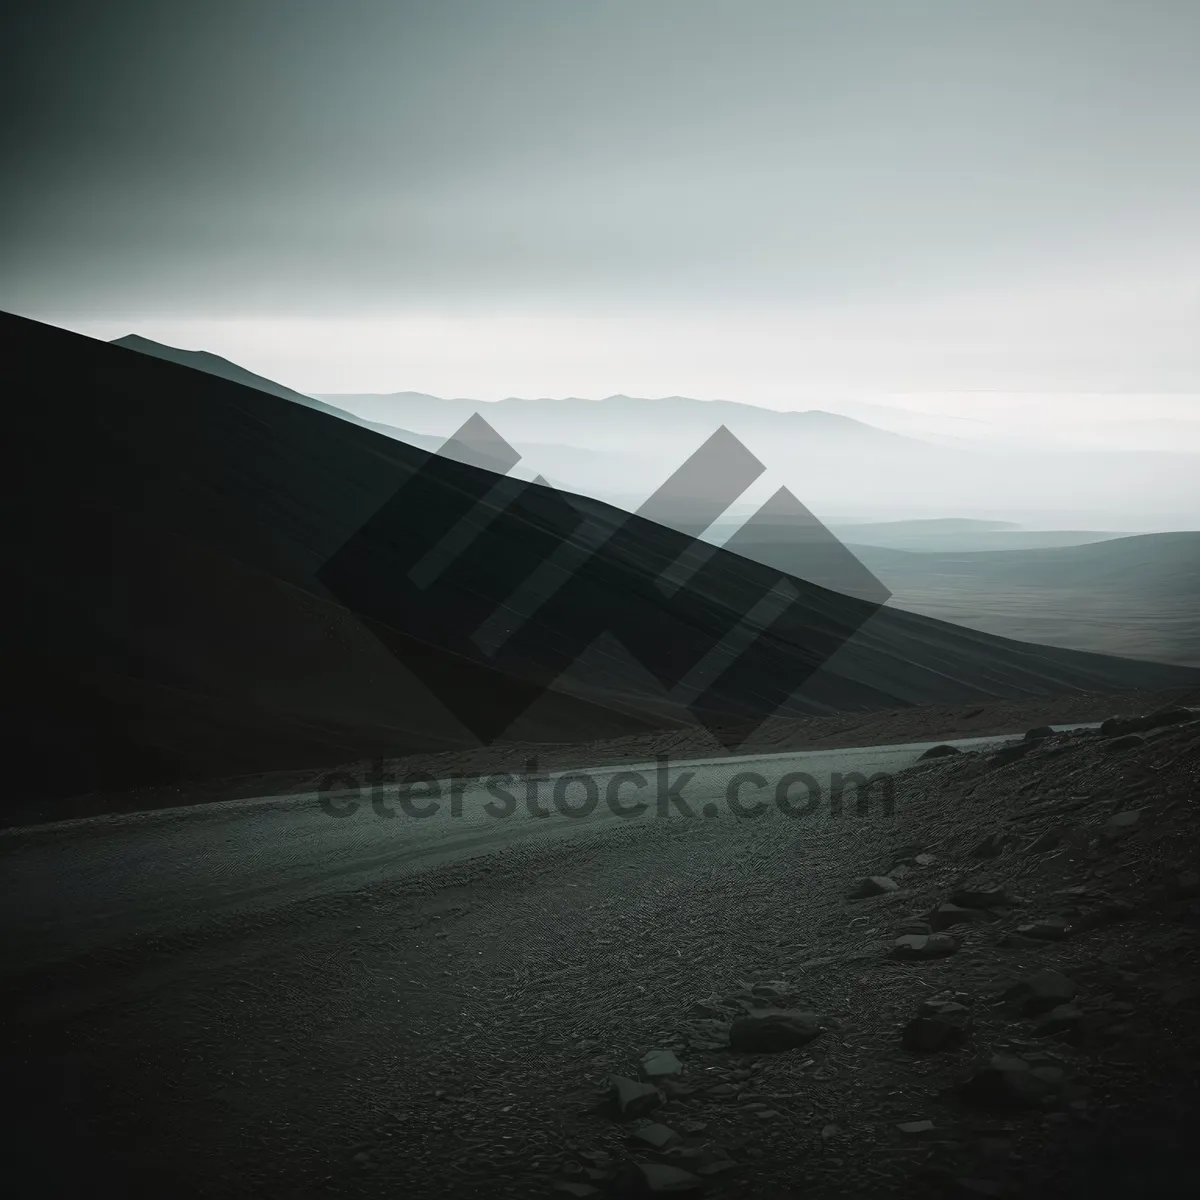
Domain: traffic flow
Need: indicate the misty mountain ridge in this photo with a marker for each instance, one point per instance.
(619, 449)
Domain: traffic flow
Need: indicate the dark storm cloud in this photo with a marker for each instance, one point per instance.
(311, 156)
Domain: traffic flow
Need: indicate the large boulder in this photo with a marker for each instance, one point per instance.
(773, 1031)
(942, 751)
(873, 885)
(917, 946)
(1040, 992)
(1005, 1082)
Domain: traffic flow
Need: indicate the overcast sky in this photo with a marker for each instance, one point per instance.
(763, 200)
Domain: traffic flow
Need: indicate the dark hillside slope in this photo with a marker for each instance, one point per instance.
(182, 542)
(214, 364)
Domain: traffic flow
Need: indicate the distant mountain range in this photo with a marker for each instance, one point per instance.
(184, 540)
(620, 448)
(834, 463)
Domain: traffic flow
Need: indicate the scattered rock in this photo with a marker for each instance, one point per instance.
(944, 1004)
(568, 1187)
(634, 1099)
(1121, 824)
(1120, 726)
(914, 1127)
(1038, 733)
(655, 1135)
(1005, 1083)
(1055, 929)
(982, 897)
(1062, 1019)
(874, 885)
(1040, 992)
(922, 946)
(712, 1160)
(925, 860)
(947, 915)
(773, 1031)
(640, 1180)
(992, 846)
(928, 1035)
(942, 751)
(913, 925)
(660, 1064)
(1010, 754)
(1128, 741)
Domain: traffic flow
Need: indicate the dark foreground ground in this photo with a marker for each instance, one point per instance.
(455, 1034)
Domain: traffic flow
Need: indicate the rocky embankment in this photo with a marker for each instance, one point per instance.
(1019, 1002)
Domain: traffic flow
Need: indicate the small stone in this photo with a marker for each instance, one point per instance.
(1005, 1082)
(657, 1179)
(660, 1064)
(991, 847)
(655, 1135)
(773, 1031)
(830, 1131)
(982, 897)
(1129, 741)
(721, 1090)
(1122, 824)
(1119, 726)
(873, 885)
(927, 1035)
(1010, 754)
(1056, 929)
(947, 915)
(1040, 992)
(942, 751)
(1051, 1075)
(925, 860)
(923, 946)
(913, 1127)
(1038, 733)
(943, 1005)
(1065, 1018)
(634, 1099)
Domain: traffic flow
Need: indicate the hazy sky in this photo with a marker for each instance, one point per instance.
(762, 199)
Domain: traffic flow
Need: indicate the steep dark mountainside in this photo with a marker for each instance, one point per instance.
(182, 542)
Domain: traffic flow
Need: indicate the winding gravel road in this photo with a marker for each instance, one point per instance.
(76, 886)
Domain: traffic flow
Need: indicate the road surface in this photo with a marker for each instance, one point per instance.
(77, 886)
